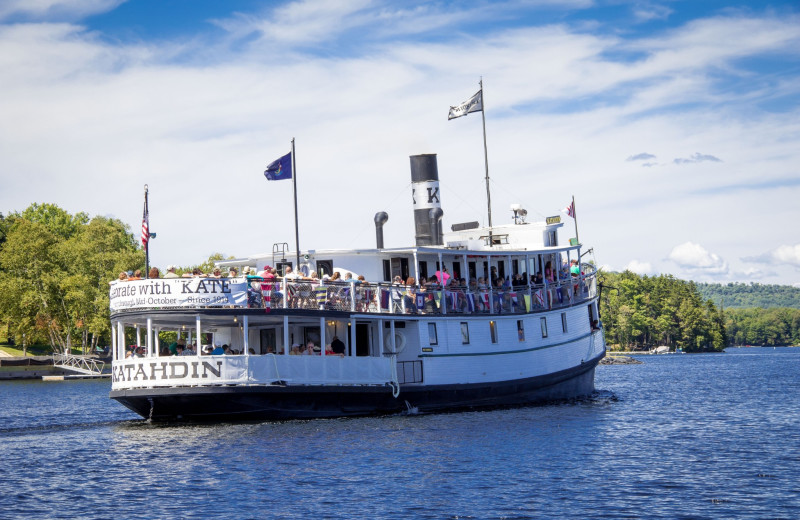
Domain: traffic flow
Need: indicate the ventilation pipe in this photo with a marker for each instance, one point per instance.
(380, 219)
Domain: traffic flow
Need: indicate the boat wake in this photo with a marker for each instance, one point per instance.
(51, 428)
(602, 397)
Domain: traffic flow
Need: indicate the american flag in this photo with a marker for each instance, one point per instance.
(145, 227)
(570, 209)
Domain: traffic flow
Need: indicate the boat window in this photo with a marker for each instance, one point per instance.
(432, 337)
(493, 331)
(464, 333)
(267, 341)
(324, 267)
(564, 321)
(521, 330)
(423, 270)
(544, 327)
(387, 271)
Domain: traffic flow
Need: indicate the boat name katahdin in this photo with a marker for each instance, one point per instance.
(135, 372)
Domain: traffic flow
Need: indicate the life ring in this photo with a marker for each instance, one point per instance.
(399, 341)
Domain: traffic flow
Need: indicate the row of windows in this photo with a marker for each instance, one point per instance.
(433, 337)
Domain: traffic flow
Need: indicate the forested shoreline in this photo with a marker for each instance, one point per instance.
(55, 269)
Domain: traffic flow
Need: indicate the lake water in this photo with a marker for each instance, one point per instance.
(681, 436)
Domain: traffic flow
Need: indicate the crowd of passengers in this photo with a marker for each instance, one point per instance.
(408, 294)
(179, 348)
(441, 279)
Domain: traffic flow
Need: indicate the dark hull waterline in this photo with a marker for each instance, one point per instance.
(270, 402)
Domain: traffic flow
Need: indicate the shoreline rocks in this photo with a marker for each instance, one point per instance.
(611, 359)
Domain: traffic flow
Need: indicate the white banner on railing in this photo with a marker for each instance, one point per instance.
(178, 292)
(209, 370)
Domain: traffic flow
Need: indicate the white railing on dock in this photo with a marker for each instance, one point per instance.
(81, 364)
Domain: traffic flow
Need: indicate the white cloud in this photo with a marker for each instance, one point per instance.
(752, 274)
(647, 11)
(788, 255)
(695, 258)
(86, 123)
(641, 157)
(696, 158)
(642, 268)
(55, 10)
(783, 255)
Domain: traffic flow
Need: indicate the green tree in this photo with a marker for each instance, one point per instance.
(642, 312)
(54, 274)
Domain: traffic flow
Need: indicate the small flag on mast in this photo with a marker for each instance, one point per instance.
(145, 226)
(473, 104)
(570, 209)
(280, 169)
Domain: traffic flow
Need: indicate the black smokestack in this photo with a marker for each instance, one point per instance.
(380, 219)
(425, 193)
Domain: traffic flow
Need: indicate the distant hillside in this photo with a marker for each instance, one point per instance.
(750, 295)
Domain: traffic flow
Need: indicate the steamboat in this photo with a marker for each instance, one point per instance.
(470, 318)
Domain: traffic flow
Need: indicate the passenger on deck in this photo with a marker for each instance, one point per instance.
(337, 346)
(310, 349)
(295, 350)
(189, 350)
(549, 275)
(233, 272)
(153, 273)
(216, 273)
(574, 268)
(219, 351)
(123, 276)
(171, 272)
(137, 275)
(410, 295)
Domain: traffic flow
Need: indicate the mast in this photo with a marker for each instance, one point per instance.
(575, 218)
(146, 234)
(486, 162)
(294, 189)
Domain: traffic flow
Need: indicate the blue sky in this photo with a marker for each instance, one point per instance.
(675, 124)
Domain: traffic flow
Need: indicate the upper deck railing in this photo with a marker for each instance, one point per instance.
(363, 297)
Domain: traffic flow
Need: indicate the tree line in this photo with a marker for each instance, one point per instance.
(749, 295)
(55, 270)
(54, 273)
(641, 312)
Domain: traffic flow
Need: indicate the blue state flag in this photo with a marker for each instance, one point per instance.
(280, 169)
